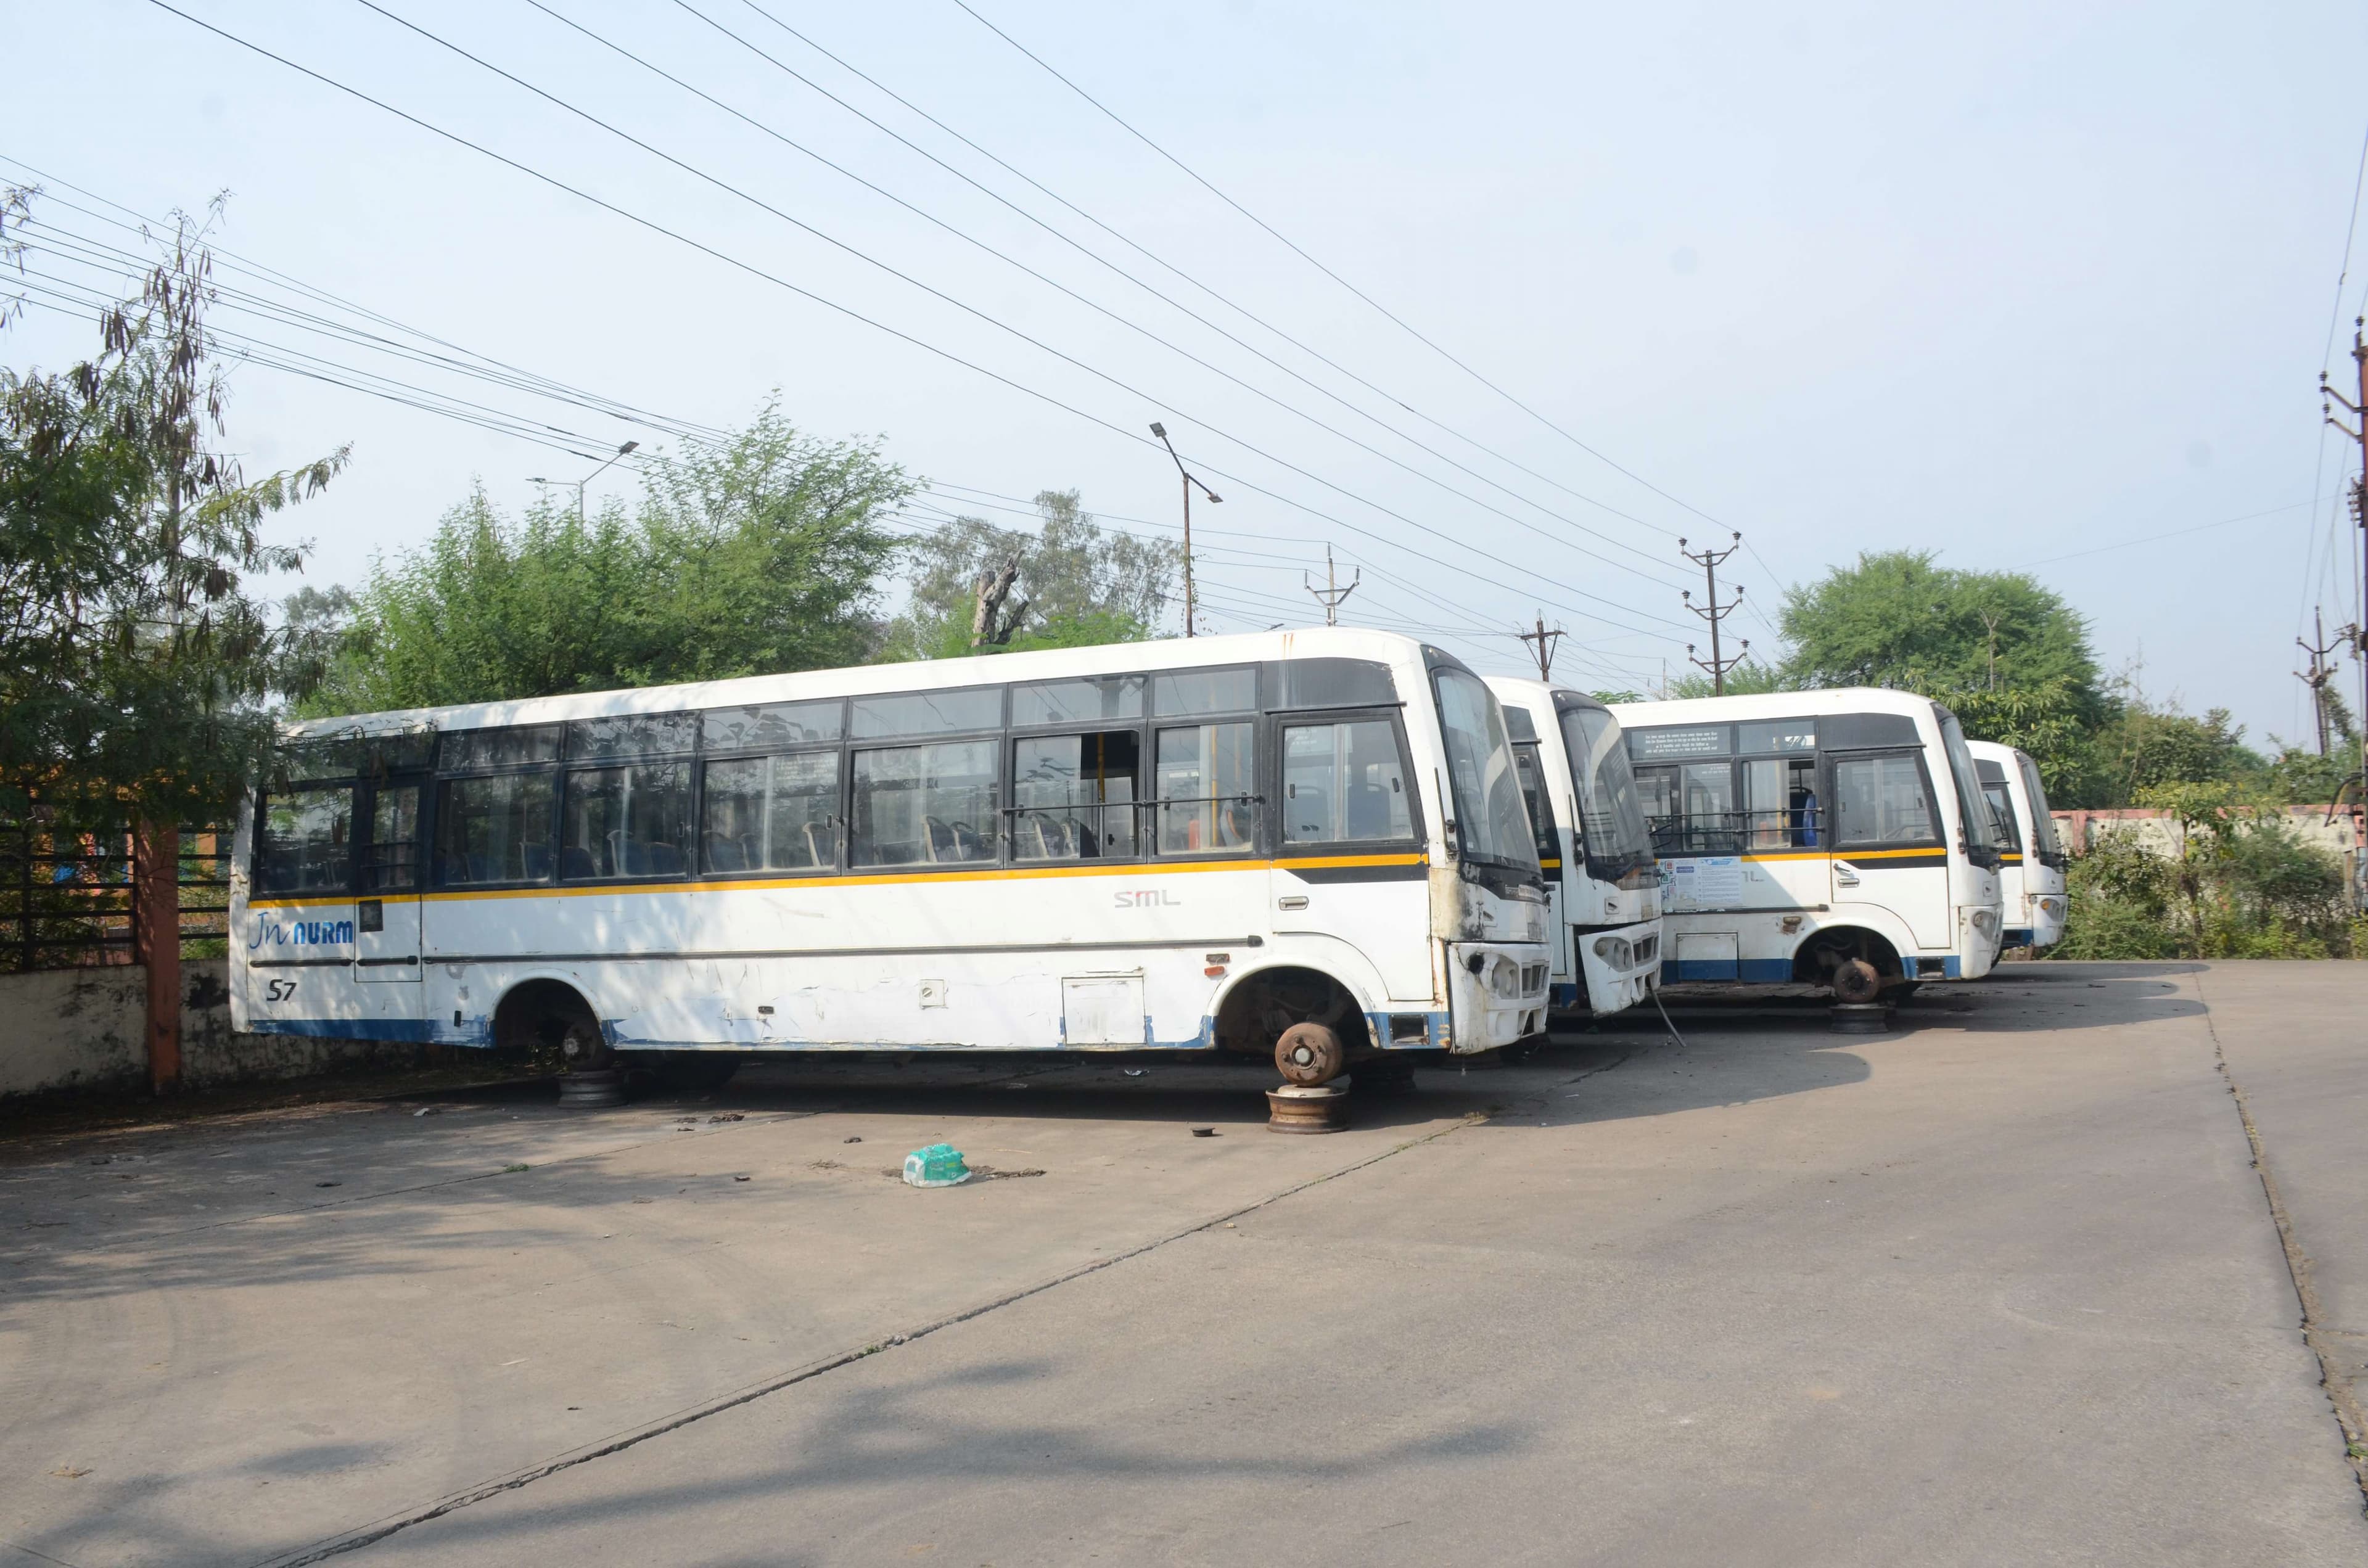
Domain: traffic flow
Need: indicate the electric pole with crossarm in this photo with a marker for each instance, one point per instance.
(1331, 594)
(1543, 646)
(2359, 628)
(1714, 612)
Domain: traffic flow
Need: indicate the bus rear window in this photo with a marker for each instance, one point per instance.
(305, 842)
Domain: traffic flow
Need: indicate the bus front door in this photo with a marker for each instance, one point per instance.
(1887, 849)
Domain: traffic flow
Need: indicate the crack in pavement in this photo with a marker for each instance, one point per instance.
(2316, 1333)
(371, 1534)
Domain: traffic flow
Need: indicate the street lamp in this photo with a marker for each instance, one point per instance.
(1161, 431)
(578, 484)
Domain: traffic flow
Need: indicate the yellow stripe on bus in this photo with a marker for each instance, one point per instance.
(1841, 853)
(984, 873)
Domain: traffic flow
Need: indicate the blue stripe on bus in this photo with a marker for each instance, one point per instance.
(1748, 972)
(2018, 936)
(413, 1031)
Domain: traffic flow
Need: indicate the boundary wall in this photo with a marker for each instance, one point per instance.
(84, 1029)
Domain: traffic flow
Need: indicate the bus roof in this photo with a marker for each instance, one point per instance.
(1553, 694)
(1771, 705)
(920, 674)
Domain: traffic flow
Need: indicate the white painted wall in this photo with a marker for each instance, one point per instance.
(82, 1029)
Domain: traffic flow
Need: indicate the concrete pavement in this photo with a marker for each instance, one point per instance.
(2001, 1286)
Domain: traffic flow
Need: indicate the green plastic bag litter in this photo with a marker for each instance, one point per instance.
(940, 1164)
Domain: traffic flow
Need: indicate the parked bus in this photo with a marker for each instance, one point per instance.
(1604, 884)
(1311, 843)
(2031, 880)
(1834, 838)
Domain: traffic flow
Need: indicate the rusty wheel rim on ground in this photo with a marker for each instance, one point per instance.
(1307, 1109)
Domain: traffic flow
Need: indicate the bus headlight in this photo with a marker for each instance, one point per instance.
(1985, 921)
(2051, 906)
(1615, 951)
(1505, 979)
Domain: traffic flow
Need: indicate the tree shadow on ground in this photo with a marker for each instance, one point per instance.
(916, 1436)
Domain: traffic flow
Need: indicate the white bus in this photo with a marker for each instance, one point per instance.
(1200, 845)
(2030, 881)
(1603, 879)
(1834, 838)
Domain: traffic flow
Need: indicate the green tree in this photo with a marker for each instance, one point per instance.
(761, 554)
(2147, 746)
(2045, 721)
(1898, 619)
(1068, 585)
(137, 673)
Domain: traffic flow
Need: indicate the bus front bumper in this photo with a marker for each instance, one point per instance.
(1622, 964)
(1496, 993)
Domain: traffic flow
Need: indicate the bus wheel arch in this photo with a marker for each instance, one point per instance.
(549, 1021)
(1846, 958)
(1304, 1005)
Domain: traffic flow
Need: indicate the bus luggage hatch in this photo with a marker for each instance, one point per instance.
(1705, 955)
(1103, 1009)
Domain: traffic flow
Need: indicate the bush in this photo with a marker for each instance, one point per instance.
(2249, 886)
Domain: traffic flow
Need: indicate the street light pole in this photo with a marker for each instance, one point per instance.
(578, 484)
(1161, 431)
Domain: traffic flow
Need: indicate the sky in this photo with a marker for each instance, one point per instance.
(2017, 284)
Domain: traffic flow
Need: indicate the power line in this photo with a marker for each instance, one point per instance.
(511, 376)
(1008, 259)
(1162, 262)
(1399, 321)
(2150, 539)
(948, 354)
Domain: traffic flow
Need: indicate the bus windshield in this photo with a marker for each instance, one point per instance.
(2044, 842)
(1972, 810)
(1610, 811)
(1493, 821)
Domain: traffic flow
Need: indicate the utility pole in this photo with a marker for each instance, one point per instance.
(1543, 643)
(2319, 675)
(1331, 593)
(1990, 621)
(2360, 519)
(1161, 431)
(577, 484)
(1715, 612)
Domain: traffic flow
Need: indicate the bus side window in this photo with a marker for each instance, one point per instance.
(771, 814)
(1344, 783)
(493, 830)
(2002, 822)
(1206, 785)
(926, 804)
(1881, 799)
(1073, 796)
(1525, 763)
(627, 821)
(1780, 802)
(1707, 797)
(1655, 791)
